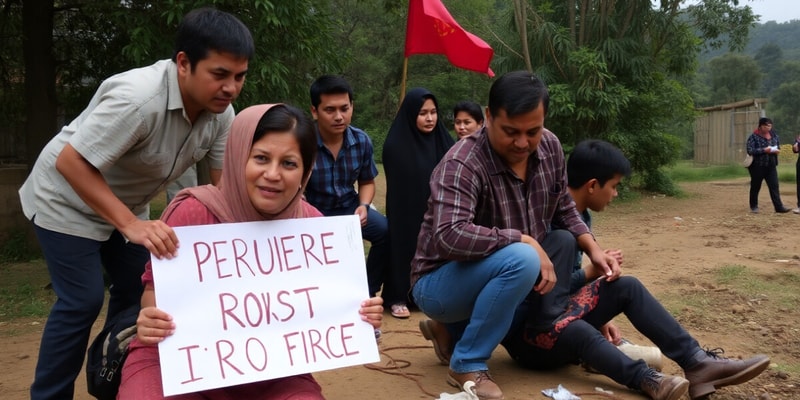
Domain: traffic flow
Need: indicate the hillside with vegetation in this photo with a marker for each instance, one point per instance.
(767, 67)
(781, 34)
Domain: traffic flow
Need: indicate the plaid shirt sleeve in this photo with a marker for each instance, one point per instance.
(455, 195)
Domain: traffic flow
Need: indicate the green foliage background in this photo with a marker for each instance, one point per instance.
(624, 73)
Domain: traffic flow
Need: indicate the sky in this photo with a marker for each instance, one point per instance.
(769, 10)
(774, 10)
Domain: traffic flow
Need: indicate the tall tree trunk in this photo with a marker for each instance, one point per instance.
(40, 83)
(521, 17)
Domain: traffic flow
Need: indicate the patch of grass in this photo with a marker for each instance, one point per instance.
(685, 171)
(709, 303)
(793, 369)
(730, 273)
(783, 286)
(786, 174)
(25, 300)
(23, 291)
(685, 305)
(17, 248)
(778, 285)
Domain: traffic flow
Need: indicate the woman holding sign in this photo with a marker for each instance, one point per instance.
(268, 159)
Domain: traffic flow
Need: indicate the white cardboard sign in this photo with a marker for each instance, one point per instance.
(261, 300)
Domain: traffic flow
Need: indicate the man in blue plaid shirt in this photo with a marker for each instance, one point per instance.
(344, 159)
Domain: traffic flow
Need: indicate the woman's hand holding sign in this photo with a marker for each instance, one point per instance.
(372, 311)
(153, 326)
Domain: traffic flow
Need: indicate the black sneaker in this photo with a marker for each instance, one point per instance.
(782, 210)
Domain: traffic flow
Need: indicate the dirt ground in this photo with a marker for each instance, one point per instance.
(677, 247)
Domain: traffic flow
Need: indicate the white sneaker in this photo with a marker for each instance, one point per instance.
(796, 210)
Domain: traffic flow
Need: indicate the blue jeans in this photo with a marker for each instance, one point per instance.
(76, 272)
(480, 296)
(376, 232)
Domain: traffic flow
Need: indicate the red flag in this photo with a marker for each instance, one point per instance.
(431, 30)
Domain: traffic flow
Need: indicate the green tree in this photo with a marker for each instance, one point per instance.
(787, 72)
(70, 46)
(784, 100)
(785, 110)
(736, 77)
(617, 70)
(769, 58)
(371, 51)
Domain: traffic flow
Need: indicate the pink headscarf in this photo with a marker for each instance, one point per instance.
(230, 202)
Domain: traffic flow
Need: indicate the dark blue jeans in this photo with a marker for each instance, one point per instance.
(769, 174)
(582, 340)
(375, 232)
(76, 269)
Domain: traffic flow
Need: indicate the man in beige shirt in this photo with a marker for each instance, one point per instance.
(88, 194)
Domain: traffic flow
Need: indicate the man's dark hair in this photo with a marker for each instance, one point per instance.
(329, 84)
(470, 107)
(595, 159)
(764, 121)
(517, 93)
(205, 29)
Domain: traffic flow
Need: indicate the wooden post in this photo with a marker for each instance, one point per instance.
(403, 82)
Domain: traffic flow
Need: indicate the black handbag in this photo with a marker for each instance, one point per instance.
(107, 354)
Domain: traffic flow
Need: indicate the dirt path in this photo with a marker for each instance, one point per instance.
(677, 247)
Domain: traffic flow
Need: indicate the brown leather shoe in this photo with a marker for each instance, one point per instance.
(480, 383)
(437, 333)
(714, 371)
(663, 387)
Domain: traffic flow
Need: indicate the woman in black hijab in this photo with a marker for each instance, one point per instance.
(416, 142)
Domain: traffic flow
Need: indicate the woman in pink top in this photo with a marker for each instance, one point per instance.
(268, 159)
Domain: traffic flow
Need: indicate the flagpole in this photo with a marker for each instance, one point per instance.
(403, 82)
